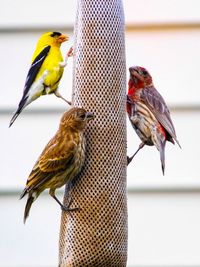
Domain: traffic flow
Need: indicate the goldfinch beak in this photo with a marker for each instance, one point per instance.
(63, 38)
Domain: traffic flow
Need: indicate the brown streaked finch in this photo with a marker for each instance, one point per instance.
(148, 113)
(61, 159)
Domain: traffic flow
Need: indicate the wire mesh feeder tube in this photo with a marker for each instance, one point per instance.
(97, 234)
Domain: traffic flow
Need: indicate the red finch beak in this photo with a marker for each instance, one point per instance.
(63, 38)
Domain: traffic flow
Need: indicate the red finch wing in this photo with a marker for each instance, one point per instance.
(130, 107)
(158, 107)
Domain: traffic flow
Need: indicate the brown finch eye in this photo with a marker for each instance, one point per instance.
(82, 116)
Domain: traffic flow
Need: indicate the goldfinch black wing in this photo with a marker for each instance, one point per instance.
(34, 69)
(32, 73)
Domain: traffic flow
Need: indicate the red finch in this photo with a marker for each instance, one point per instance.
(46, 70)
(61, 159)
(148, 113)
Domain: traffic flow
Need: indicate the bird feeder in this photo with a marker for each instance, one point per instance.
(96, 235)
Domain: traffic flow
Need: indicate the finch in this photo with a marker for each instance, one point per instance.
(46, 70)
(148, 113)
(61, 159)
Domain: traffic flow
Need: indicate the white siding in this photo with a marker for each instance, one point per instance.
(156, 11)
(22, 13)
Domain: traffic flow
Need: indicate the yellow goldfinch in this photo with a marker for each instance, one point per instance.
(46, 70)
(61, 159)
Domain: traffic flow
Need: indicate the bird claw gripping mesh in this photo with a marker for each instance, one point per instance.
(96, 235)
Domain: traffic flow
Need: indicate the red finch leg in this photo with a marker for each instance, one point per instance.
(129, 159)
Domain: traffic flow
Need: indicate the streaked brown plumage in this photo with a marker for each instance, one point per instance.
(61, 159)
(148, 113)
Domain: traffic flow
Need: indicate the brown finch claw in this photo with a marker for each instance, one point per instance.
(67, 209)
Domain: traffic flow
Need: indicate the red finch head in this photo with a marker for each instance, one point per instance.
(139, 77)
(75, 118)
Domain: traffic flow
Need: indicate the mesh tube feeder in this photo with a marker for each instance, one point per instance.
(96, 235)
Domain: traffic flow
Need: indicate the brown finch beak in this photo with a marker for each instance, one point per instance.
(63, 38)
(89, 116)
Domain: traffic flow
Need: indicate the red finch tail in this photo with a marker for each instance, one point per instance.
(177, 142)
(162, 156)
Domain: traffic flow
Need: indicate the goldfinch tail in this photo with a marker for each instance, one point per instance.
(14, 117)
(22, 104)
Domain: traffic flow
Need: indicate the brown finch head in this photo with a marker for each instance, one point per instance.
(76, 118)
(140, 77)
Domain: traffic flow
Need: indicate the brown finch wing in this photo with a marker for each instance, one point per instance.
(155, 102)
(55, 158)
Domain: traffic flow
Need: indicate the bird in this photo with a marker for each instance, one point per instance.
(61, 160)
(46, 70)
(148, 113)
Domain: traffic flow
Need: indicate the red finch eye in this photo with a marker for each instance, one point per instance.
(145, 72)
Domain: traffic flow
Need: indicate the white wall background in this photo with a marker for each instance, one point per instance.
(164, 215)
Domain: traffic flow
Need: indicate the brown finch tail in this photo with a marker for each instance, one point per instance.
(29, 203)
